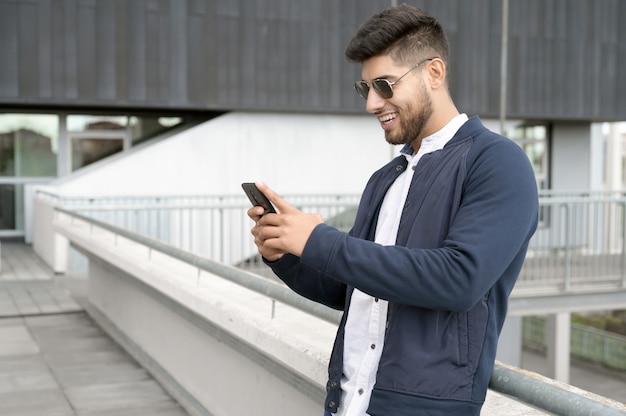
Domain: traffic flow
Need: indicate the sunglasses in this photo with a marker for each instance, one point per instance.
(383, 87)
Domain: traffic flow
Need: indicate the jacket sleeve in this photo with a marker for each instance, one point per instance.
(309, 282)
(486, 241)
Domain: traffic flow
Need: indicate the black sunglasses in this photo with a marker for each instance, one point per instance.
(383, 87)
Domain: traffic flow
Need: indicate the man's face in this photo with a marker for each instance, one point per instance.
(404, 116)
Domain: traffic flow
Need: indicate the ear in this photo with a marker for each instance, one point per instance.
(436, 73)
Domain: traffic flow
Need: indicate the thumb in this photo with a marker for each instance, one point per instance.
(282, 205)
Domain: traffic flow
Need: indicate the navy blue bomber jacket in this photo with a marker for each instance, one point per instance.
(464, 231)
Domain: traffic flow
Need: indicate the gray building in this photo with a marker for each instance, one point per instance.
(98, 77)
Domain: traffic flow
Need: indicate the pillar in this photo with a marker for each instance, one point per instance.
(510, 342)
(558, 346)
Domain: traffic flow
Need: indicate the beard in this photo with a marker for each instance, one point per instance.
(412, 120)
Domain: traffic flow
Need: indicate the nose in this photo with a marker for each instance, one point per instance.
(374, 102)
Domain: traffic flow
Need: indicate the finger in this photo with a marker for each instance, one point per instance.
(282, 205)
(269, 249)
(272, 255)
(255, 213)
(265, 246)
(266, 232)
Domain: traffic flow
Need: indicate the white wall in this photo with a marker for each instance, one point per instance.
(571, 156)
(293, 153)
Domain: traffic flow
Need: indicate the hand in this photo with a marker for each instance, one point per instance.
(285, 232)
(255, 213)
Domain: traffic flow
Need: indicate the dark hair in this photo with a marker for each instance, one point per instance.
(404, 32)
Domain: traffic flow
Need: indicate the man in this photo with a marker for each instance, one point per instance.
(439, 238)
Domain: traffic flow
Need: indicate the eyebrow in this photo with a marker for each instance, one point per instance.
(387, 77)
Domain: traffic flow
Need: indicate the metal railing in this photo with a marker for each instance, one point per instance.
(579, 244)
(215, 227)
(532, 389)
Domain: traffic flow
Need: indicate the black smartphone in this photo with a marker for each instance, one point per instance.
(257, 198)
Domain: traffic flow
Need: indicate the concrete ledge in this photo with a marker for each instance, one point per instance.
(218, 348)
(217, 341)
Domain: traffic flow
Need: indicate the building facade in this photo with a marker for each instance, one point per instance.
(83, 79)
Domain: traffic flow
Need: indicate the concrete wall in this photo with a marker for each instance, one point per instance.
(293, 153)
(50, 246)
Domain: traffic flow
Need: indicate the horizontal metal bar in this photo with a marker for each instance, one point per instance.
(20, 180)
(524, 303)
(89, 198)
(156, 207)
(544, 394)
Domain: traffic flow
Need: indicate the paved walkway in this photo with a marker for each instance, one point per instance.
(54, 360)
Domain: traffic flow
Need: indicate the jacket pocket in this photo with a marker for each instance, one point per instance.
(477, 319)
(431, 353)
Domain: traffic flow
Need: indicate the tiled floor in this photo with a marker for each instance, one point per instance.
(54, 360)
(35, 297)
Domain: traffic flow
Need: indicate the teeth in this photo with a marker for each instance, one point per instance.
(387, 117)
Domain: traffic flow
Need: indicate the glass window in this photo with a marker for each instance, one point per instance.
(533, 139)
(88, 150)
(143, 128)
(7, 207)
(28, 144)
(84, 122)
(94, 137)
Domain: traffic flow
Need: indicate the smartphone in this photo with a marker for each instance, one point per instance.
(257, 198)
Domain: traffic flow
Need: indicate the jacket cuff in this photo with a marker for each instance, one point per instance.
(319, 247)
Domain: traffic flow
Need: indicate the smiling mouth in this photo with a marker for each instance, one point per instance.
(387, 118)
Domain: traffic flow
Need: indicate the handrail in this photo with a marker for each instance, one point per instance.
(25, 180)
(161, 197)
(156, 207)
(547, 395)
(532, 389)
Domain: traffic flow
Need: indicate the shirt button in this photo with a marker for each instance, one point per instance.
(331, 404)
(399, 168)
(373, 346)
(360, 392)
(375, 299)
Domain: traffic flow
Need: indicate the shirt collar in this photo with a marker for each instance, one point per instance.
(438, 139)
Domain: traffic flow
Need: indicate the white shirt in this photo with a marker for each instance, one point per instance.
(367, 318)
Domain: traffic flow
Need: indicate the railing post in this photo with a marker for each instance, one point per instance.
(623, 260)
(222, 242)
(567, 259)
